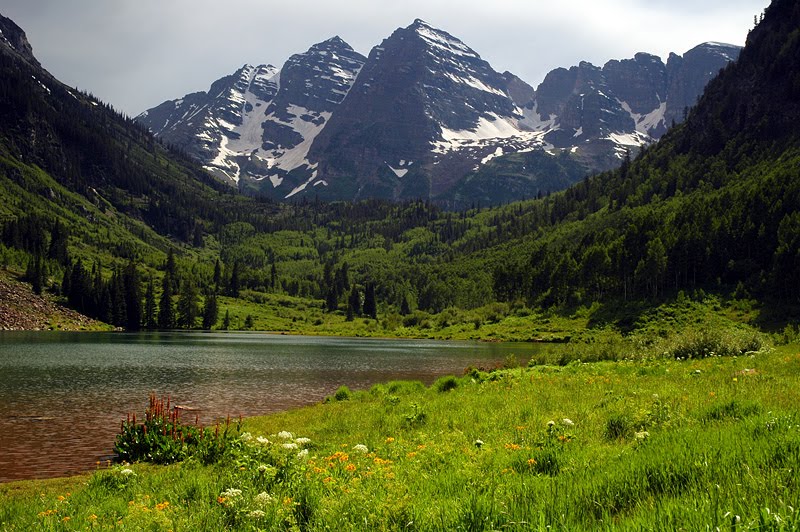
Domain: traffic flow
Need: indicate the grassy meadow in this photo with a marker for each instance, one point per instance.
(666, 438)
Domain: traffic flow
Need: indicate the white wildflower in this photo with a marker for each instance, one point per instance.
(290, 446)
(568, 422)
(302, 441)
(285, 435)
(643, 435)
(256, 514)
(478, 443)
(246, 437)
(551, 423)
(261, 440)
(302, 455)
(263, 499)
(126, 472)
(361, 448)
(231, 493)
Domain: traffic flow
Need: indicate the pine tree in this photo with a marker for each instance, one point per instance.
(166, 312)
(405, 308)
(370, 305)
(150, 317)
(171, 269)
(217, 276)
(210, 311)
(226, 321)
(353, 303)
(233, 285)
(187, 305)
(133, 297)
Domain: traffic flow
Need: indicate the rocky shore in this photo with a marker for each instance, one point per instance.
(22, 310)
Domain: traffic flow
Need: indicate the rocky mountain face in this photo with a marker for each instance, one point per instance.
(259, 123)
(424, 116)
(15, 40)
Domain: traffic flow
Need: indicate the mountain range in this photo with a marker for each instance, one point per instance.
(424, 116)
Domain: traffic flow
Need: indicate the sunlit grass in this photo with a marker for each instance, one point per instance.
(657, 443)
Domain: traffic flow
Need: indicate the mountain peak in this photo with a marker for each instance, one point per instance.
(334, 43)
(14, 37)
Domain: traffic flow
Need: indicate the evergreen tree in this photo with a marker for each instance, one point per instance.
(405, 308)
(233, 285)
(187, 305)
(370, 304)
(58, 243)
(133, 297)
(331, 302)
(118, 299)
(150, 317)
(226, 321)
(217, 276)
(353, 303)
(210, 311)
(166, 312)
(171, 269)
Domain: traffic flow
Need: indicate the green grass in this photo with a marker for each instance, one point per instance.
(653, 443)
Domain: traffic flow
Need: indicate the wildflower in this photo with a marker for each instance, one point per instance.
(287, 501)
(263, 498)
(256, 514)
(67, 518)
(302, 441)
(411, 454)
(302, 455)
(261, 440)
(290, 446)
(361, 448)
(231, 493)
(551, 424)
(246, 437)
(162, 505)
(126, 472)
(531, 462)
(389, 439)
(262, 468)
(284, 435)
(92, 517)
(513, 446)
(327, 480)
(568, 422)
(350, 467)
(478, 443)
(643, 435)
(61, 498)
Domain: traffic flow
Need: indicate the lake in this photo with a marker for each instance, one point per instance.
(63, 395)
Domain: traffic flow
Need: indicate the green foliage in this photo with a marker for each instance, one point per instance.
(445, 384)
(162, 438)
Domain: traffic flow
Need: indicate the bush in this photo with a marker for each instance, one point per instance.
(618, 427)
(342, 394)
(705, 343)
(445, 384)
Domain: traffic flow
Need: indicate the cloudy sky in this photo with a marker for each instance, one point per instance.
(137, 53)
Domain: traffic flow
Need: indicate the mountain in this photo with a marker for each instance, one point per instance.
(423, 117)
(260, 121)
(65, 155)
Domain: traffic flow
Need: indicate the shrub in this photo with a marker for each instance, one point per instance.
(445, 384)
(618, 427)
(342, 394)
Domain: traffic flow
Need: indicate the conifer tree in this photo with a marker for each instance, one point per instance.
(353, 303)
(226, 321)
(370, 305)
(187, 305)
(133, 297)
(210, 311)
(166, 312)
(150, 317)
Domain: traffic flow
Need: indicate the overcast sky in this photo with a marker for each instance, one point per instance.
(137, 53)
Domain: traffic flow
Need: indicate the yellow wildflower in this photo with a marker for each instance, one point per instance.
(389, 439)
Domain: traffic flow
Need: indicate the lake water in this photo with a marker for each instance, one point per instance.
(63, 395)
